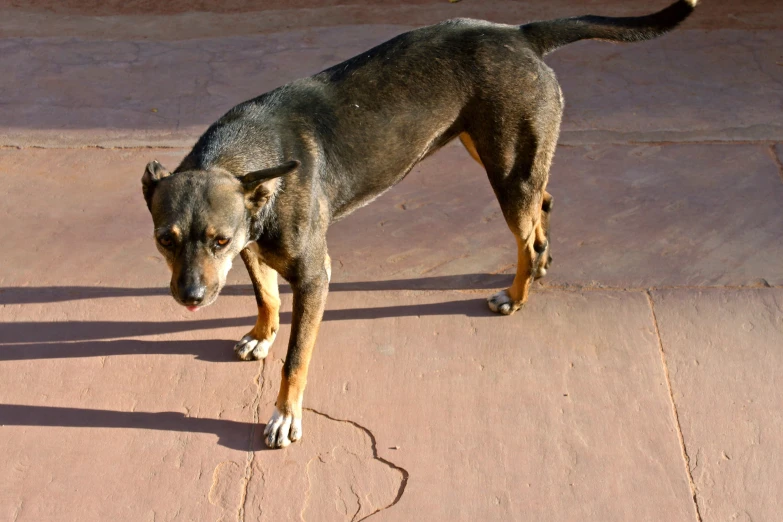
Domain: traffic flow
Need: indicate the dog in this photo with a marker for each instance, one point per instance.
(268, 178)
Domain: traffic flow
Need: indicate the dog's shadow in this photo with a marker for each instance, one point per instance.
(71, 339)
(58, 339)
(55, 294)
(236, 435)
(212, 350)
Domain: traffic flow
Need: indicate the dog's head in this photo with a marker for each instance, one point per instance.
(202, 220)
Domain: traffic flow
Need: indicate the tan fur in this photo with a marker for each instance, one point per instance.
(467, 141)
(328, 267)
(289, 398)
(540, 240)
(267, 293)
(292, 385)
(210, 273)
(518, 291)
(543, 222)
(176, 232)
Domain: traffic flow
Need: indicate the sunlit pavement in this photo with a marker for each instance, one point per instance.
(638, 383)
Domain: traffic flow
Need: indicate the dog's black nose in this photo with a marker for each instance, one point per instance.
(193, 295)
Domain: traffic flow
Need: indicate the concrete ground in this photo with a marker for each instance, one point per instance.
(641, 382)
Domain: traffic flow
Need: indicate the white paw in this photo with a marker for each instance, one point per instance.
(282, 430)
(502, 303)
(249, 348)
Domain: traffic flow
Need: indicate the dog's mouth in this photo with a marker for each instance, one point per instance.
(195, 307)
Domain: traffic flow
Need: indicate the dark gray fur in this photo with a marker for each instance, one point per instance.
(356, 129)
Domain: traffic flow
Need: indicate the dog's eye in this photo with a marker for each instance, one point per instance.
(222, 242)
(165, 241)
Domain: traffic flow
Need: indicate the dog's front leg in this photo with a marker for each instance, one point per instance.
(255, 344)
(309, 294)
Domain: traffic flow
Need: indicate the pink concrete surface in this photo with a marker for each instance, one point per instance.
(186, 19)
(137, 407)
(562, 414)
(725, 351)
(136, 92)
(625, 216)
(637, 384)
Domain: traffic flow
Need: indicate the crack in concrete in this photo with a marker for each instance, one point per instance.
(18, 511)
(222, 482)
(777, 160)
(675, 413)
(570, 287)
(309, 486)
(358, 504)
(404, 475)
(248, 475)
(760, 65)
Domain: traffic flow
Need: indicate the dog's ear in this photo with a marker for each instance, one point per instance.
(152, 174)
(257, 189)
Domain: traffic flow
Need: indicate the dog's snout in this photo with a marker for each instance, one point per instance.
(190, 290)
(193, 294)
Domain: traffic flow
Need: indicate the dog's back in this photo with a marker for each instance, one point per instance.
(374, 116)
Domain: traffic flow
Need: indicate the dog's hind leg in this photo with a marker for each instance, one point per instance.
(517, 155)
(541, 245)
(255, 345)
(522, 210)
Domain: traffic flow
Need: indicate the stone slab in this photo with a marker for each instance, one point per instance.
(81, 92)
(560, 412)
(777, 153)
(110, 414)
(724, 349)
(641, 216)
(119, 405)
(213, 18)
(696, 85)
(129, 408)
(625, 216)
(77, 217)
(100, 423)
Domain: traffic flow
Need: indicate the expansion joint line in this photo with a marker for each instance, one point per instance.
(675, 414)
(250, 453)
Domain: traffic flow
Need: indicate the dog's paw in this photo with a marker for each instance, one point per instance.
(282, 430)
(542, 265)
(502, 303)
(249, 348)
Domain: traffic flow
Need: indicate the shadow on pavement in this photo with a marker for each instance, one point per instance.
(57, 294)
(63, 331)
(60, 333)
(231, 434)
(54, 340)
(214, 350)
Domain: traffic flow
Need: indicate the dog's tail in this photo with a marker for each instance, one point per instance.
(546, 36)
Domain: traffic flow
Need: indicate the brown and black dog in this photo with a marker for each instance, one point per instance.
(267, 179)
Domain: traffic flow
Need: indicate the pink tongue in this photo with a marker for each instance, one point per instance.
(192, 308)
